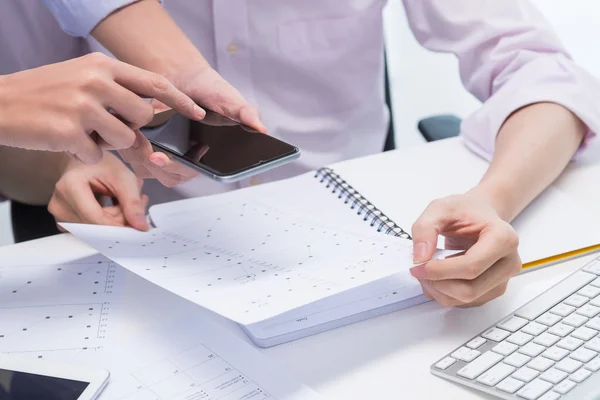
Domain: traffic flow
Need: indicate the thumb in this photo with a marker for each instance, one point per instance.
(425, 234)
(133, 204)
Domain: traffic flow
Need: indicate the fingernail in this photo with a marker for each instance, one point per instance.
(140, 221)
(420, 252)
(158, 162)
(418, 272)
(200, 113)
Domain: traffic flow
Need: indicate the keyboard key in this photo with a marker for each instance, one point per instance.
(525, 374)
(445, 363)
(532, 349)
(495, 374)
(550, 396)
(481, 364)
(534, 328)
(505, 348)
(593, 365)
(595, 301)
(565, 386)
(517, 360)
(459, 353)
(593, 344)
(594, 324)
(568, 365)
(555, 353)
(476, 343)
(583, 355)
(513, 324)
(580, 375)
(576, 300)
(562, 309)
(519, 338)
(584, 333)
(548, 319)
(575, 320)
(554, 375)
(540, 364)
(496, 334)
(533, 390)
(596, 282)
(589, 291)
(546, 300)
(593, 267)
(510, 385)
(570, 343)
(465, 354)
(546, 339)
(561, 329)
(589, 311)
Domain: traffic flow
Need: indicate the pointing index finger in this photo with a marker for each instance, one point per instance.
(156, 86)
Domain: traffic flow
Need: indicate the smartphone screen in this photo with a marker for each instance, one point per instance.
(225, 148)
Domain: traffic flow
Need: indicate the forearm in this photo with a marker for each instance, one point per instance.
(143, 34)
(29, 176)
(533, 147)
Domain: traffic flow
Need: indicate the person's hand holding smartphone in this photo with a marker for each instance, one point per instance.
(219, 147)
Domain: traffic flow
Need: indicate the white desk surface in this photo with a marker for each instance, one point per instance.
(386, 357)
(382, 358)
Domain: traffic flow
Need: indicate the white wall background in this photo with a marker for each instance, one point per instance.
(424, 83)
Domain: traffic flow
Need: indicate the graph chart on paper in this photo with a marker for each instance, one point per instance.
(56, 311)
(195, 373)
(252, 264)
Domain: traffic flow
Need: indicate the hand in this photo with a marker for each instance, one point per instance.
(148, 164)
(209, 89)
(80, 192)
(480, 274)
(65, 106)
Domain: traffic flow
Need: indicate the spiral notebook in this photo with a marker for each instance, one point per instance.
(327, 197)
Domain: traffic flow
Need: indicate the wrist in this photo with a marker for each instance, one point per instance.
(498, 196)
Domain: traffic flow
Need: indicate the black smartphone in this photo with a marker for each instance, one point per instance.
(224, 149)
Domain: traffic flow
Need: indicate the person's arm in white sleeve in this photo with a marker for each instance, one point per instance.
(538, 108)
(78, 18)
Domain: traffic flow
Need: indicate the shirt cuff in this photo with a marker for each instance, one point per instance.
(553, 79)
(79, 17)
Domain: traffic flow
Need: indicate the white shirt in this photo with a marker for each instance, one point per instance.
(314, 68)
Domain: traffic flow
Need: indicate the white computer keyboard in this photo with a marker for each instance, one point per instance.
(546, 350)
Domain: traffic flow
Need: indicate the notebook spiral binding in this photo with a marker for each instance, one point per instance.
(351, 196)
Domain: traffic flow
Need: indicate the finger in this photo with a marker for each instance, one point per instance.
(139, 151)
(82, 201)
(87, 151)
(489, 296)
(156, 86)
(113, 131)
(426, 292)
(169, 166)
(494, 243)
(127, 191)
(169, 173)
(468, 291)
(425, 232)
(250, 116)
(441, 298)
(61, 211)
(129, 106)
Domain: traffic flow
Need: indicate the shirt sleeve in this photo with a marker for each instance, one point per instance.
(509, 57)
(79, 17)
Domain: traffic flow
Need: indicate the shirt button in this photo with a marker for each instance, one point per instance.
(254, 181)
(232, 49)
